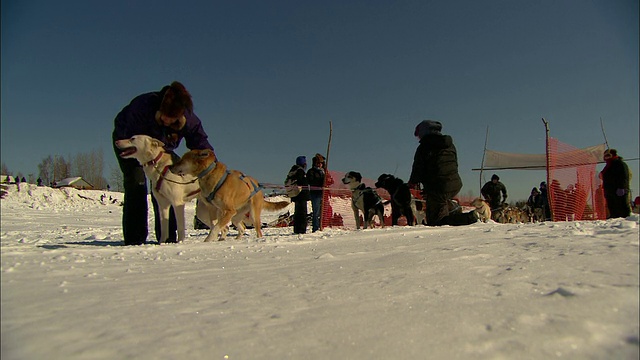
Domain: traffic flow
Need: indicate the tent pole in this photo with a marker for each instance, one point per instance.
(549, 196)
(603, 133)
(486, 138)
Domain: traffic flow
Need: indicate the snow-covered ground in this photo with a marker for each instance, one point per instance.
(486, 291)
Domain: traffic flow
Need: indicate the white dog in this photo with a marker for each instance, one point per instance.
(168, 189)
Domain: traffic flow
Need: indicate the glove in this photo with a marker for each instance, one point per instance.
(621, 192)
(504, 198)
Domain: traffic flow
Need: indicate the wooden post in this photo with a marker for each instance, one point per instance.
(548, 165)
(326, 173)
(486, 138)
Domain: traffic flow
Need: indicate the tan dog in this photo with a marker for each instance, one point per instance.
(482, 209)
(168, 189)
(229, 192)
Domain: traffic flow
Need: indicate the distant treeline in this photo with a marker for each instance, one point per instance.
(87, 165)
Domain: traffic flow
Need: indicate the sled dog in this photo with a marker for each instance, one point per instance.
(401, 199)
(168, 189)
(482, 209)
(229, 193)
(363, 199)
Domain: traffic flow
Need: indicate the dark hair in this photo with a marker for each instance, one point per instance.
(176, 100)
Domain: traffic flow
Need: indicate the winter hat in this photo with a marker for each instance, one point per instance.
(543, 184)
(318, 159)
(176, 100)
(611, 152)
(535, 190)
(495, 177)
(301, 160)
(428, 127)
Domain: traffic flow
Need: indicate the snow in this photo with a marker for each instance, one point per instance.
(486, 291)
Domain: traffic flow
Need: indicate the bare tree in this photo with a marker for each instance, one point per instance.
(5, 170)
(61, 168)
(45, 170)
(117, 180)
(90, 167)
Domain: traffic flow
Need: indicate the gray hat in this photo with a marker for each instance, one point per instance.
(428, 127)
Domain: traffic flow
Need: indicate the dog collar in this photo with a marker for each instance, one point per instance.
(207, 170)
(155, 161)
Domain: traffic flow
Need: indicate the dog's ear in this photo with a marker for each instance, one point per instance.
(357, 176)
(157, 143)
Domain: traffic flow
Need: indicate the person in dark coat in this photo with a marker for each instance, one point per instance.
(615, 182)
(491, 192)
(545, 201)
(166, 115)
(315, 177)
(535, 199)
(297, 173)
(435, 166)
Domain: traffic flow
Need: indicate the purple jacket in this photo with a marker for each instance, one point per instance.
(138, 118)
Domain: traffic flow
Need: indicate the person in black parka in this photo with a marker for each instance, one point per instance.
(615, 181)
(435, 166)
(491, 192)
(298, 173)
(315, 178)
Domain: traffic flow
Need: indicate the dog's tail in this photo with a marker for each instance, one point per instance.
(275, 206)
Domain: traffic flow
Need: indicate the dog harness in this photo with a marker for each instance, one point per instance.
(256, 188)
(365, 189)
(164, 172)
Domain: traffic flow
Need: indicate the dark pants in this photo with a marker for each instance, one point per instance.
(135, 226)
(439, 211)
(618, 206)
(316, 207)
(300, 217)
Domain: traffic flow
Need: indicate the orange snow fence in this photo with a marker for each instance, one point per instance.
(575, 189)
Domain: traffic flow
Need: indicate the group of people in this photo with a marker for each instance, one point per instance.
(539, 199)
(311, 183)
(168, 116)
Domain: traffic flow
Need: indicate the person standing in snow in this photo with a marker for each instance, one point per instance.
(435, 166)
(545, 201)
(299, 178)
(166, 115)
(491, 192)
(615, 181)
(535, 199)
(315, 177)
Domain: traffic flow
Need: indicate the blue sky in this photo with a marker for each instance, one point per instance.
(268, 76)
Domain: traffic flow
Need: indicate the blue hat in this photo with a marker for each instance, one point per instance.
(301, 160)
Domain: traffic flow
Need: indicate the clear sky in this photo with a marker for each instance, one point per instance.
(268, 76)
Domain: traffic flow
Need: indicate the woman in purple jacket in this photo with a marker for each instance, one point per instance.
(168, 116)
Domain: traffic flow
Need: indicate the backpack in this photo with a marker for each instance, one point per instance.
(290, 184)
